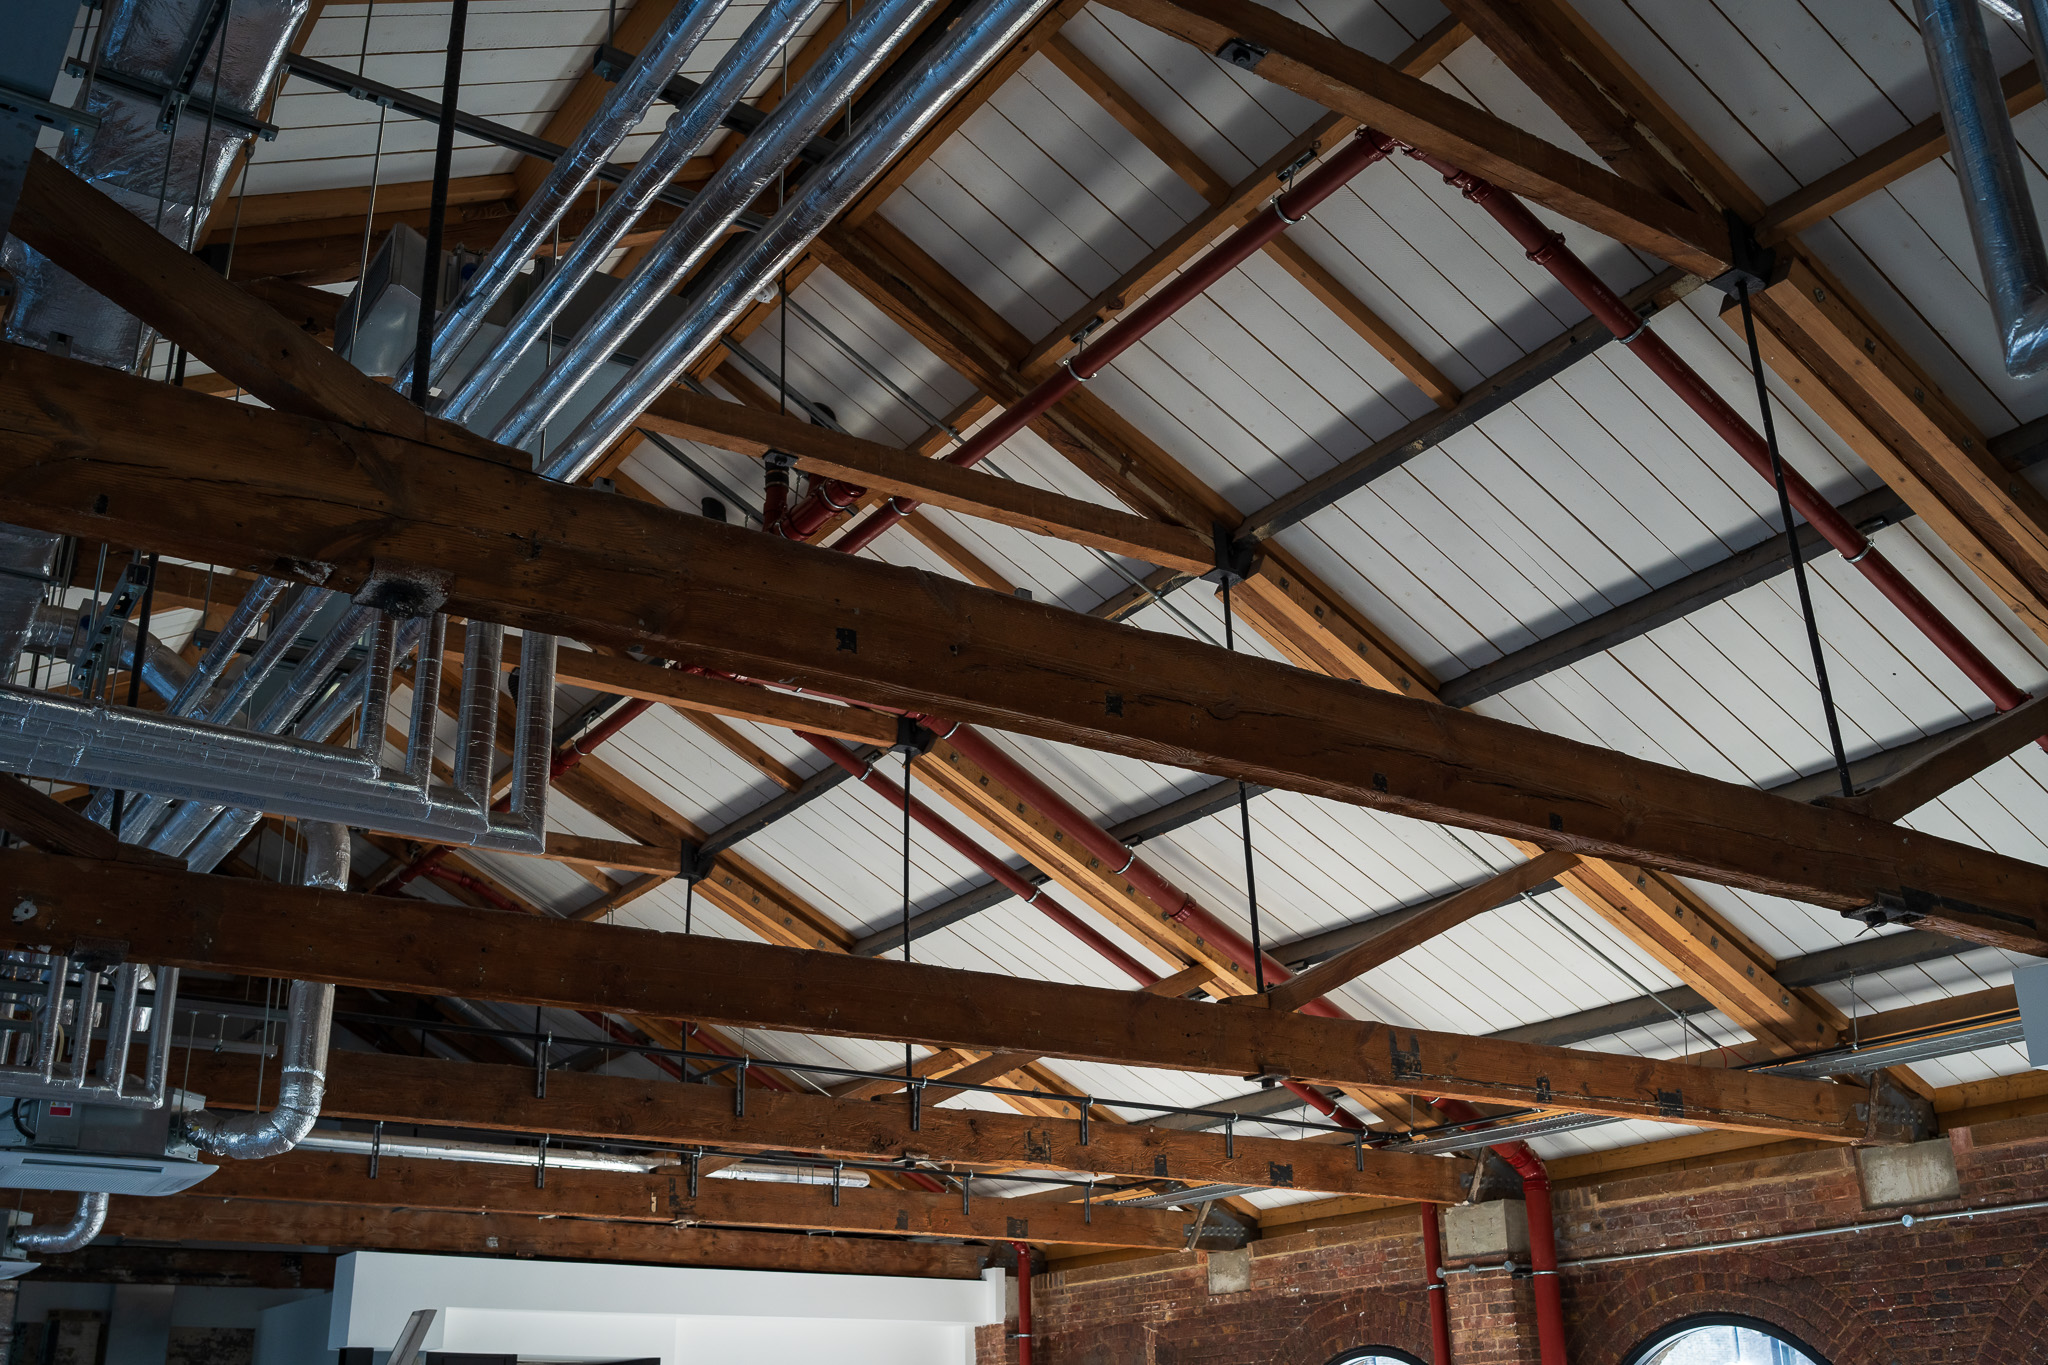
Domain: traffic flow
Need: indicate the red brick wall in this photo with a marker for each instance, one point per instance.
(1959, 1292)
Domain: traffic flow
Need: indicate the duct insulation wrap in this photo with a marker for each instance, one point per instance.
(71, 1235)
(817, 97)
(686, 130)
(877, 139)
(1987, 161)
(625, 105)
(309, 1018)
(28, 564)
(169, 180)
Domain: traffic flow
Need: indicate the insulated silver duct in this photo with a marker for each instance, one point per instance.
(309, 1018)
(28, 563)
(84, 1225)
(192, 699)
(856, 54)
(1987, 161)
(885, 132)
(572, 174)
(686, 130)
(156, 150)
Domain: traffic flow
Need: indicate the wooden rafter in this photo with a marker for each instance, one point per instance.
(1372, 92)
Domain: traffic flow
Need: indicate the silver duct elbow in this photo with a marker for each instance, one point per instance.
(57, 1238)
(1987, 161)
(309, 1018)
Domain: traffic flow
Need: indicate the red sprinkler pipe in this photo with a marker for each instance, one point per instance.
(1542, 1234)
(1548, 249)
(1179, 906)
(826, 500)
(980, 857)
(1434, 1288)
(1023, 1251)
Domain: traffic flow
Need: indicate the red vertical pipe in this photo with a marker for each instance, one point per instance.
(827, 499)
(1542, 1234)
(1548, 249)
(1434, 1288)
(1178, 904)
(1023, 1251)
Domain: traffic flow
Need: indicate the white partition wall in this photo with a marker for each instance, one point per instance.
(579, 1311)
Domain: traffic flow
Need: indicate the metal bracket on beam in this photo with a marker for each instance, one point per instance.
(1235, 559)
(45, 112)
(1242, 52)
(223, 115)
(912, 738)
(1752, 262)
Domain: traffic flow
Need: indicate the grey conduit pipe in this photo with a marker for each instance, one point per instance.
(58, 1238)
(309, 1017)
(680, 138)
(973, 41)
(625, 105)
(857, 53)
(1987, 161)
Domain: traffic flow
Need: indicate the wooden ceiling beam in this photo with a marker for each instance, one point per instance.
(373, 1088)
(534, 554)
(205, 1218)
(663, 1198)
(884, 469)
(263, 929)
(1373, 93)
(1228, 205)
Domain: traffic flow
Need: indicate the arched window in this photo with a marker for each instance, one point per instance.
(1378, 1355)
(1723, 1339)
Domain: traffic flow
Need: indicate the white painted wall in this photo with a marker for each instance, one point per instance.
(571, 1311)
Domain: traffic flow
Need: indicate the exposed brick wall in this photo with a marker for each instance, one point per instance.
(1958, 1292)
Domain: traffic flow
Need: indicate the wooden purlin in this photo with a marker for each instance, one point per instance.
(375, 942)
(377, 1088)
(621, 573)
(201, 1218)
(1232, 204)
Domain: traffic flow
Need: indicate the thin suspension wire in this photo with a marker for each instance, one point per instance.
(909, 1072)
(932, 419)
(1820, 663)
(1244, 816)
(376, 169)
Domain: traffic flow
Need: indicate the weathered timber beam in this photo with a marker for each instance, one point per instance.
(1951, 765)
(210, 1269)
(1413, 931)
(887, 470)
(1347, 81)
(198, 1218)
(116, 253)
(375, 1087)
(664, 1197)
(108, 456)
(261, 929)
(37, 819)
